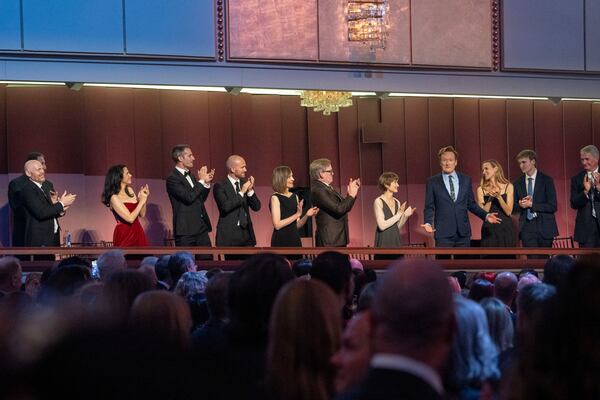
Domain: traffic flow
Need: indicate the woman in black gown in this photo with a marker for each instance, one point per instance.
(286, 210)
(495, 195)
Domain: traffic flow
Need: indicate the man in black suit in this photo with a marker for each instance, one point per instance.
(235, 197)
(412, 334)
(536, 198)
(187, 194)
(448, 197)
(41, 209)
(332, 220)
(585, 198)
(15, 203)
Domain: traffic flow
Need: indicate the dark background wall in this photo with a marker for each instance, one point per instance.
(83, 133)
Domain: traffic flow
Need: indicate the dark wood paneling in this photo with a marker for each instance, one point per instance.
(492, 132)
(466, 126)
(417, 162)
(369, 113)
(466, 120)
(266, 135)
(119, 127)
(441, 127)
(148, 146)
(45, 120)
(294, 139)
(94, 117)
(596, 123)
(577, 129)
(548, 130)
(184, 117)
(323, 140)
(221, 133)
(519, 128)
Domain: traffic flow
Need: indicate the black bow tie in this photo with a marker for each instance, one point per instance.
(186, 174)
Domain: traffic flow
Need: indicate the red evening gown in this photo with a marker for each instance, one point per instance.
(126, 234)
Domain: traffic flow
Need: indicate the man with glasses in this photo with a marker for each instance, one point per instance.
(332, 220)
(585, 196)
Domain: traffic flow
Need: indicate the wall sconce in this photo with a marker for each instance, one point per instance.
(368, 22)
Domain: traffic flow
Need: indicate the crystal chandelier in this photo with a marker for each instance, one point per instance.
(368, 22)
(325, 100)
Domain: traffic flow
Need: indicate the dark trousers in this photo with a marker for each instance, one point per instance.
(593, 237)
(455, 241)
(238, 237)
(201, 240)
(531, 236)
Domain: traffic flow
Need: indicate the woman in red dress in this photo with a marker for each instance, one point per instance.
(125, 206)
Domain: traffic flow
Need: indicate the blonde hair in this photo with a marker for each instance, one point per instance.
(280, 177)
(318, 166)
(386, 179)
(499, 176)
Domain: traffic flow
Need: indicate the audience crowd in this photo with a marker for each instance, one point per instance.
(312, 329)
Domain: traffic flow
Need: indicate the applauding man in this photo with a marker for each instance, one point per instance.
(332, 220)
(187, 194)
(42, 209)
(585, 198)
(448, 197)
(235, 198)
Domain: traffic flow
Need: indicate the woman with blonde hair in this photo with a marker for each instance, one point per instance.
(389, 213)
(304, 334)
(286, 210)
(495, 194)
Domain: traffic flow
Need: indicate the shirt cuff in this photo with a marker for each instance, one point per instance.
(250, 193)
(206, 185)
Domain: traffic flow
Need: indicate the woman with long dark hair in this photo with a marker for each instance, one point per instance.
(126, 207)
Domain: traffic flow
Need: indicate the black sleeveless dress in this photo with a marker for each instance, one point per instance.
(288, 236)
(498, 235)
(389, 237)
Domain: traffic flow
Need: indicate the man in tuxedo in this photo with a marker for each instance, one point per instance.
(187, 194)
(332, 220)
(448, 197)
(535, 196)
(412, 334)
(15, 203)
(585, 198)
(235, 197)
(41, 209)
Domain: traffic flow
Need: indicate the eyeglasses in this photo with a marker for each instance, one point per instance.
(330, 171)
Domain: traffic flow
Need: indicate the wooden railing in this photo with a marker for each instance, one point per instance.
(460, 258)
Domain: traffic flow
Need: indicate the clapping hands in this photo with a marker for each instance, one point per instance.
(144, 193)
(353, 187)
(204, 175)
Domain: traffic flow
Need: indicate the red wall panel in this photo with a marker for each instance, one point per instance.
(294, 139)
(492, 132)
(3, 133)
(148, 146)
(519, 127)
(220, 140)
(441, 127)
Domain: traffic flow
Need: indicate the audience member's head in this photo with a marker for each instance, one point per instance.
(525, 271)
(120, 290)
(499, 322)
(162, 272)
(352, 359)
(191, 283)
(213, 272)
(407, 319)
(367, 295)
(461, 277)
(302, 267)
(75, 260)
(10, 274)
(472, 360)
(216, 296)
(180, 263)
(305, 327)
(163, 315)
(32, 285)
(480, 289)
(557, 268)
(561, 354)
(505, 287)
(334, 269)
(530, 302)
(150, 272)
(252, 291)
(109, 262)
(64, 282)
(90, 295)
(149, 261)
(526, 280)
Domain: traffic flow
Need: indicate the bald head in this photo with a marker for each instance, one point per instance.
(413, 308)
(505, 287)
(236, 166)
(35, 171)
